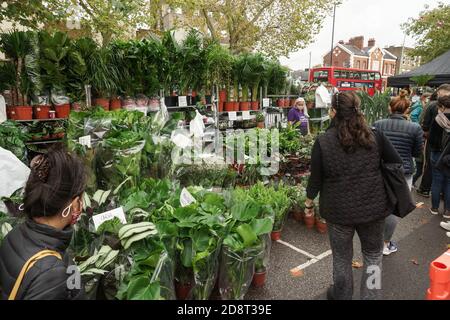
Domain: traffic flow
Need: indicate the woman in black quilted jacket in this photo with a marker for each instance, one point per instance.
(346, 172)
(52, 205)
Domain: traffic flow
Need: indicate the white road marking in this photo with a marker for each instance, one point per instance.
(297, 249)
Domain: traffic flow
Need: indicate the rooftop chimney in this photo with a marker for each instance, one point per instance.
(357, 42)
(371, 42)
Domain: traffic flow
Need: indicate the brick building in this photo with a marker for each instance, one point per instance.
(354, 54)
(405, 62)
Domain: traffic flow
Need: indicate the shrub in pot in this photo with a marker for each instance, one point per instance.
(260, 120)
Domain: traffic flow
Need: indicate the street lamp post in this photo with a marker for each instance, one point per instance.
(332, 36)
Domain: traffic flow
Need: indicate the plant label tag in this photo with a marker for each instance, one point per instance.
(186, 198)
(232, 116)
(246, 115)
(182, 101)
(85, 141)
(266, 103)
(98, 219)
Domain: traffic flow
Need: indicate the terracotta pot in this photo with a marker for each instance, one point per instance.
(309, 221)
(115, 104)
(255, 105)
(287, 102)
(244, 106)
(23, 112)
(102, 102)
(276, 235)
(259, 279)
(62, 111)
(293, 102)
(229, 106)
(222, 96)
(261, 125)
(11, 112)
(321, 227)
(298, 216)
(236, 106)
(182, 290)
(41, 112)
(221, 106)
(46, 137)
(280, 103)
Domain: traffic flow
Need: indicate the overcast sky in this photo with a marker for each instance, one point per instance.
(378, 19)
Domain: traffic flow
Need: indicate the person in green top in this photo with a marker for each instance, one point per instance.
(417, 108)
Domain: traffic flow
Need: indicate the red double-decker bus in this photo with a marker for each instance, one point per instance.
(348, 79)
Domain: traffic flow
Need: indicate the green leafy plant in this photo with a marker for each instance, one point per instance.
(422, 80)
(374, 108)
(13, 138)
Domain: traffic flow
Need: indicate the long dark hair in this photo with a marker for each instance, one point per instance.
(56, 178)
(353, 131)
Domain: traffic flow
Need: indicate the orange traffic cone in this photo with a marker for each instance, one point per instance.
(440, 278)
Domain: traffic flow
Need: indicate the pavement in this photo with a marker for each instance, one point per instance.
(307, 253)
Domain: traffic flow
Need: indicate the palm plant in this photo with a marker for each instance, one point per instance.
(374, 108)
(170, 63)
(17, 47)
(277, 82)
(422, 80)
(244, 74)
(192, 63)
(257, 65)
(102, 73)
(219, 62)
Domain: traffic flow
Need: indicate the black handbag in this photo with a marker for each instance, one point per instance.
(397, 189)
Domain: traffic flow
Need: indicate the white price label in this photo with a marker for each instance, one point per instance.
(85, 141)
(232, 116)
(186, 198)
(246, 115)
(266, 103)
(109, 215)
(182, 101)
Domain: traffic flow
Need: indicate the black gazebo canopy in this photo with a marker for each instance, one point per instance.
(439, 68)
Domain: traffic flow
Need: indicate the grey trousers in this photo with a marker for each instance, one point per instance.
(392, 221)
(341, 241)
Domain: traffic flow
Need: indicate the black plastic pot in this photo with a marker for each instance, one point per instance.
(171, 101)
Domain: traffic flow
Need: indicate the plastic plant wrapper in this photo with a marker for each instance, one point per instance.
(206, 269)
(263, 261)
(88, 156)
(236, 271)
(59, 97)
(118, 159)
(13, 173)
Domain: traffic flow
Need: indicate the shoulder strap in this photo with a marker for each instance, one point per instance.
(27, 266)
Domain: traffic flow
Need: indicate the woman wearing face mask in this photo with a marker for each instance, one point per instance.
(33, 259)
(299, 115)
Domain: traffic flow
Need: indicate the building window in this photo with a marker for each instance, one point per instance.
(365, 65)
(358, 64)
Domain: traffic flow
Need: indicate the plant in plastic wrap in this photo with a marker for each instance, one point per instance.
(201, 228)
(151, 273)
(120, 158)
(242, 246)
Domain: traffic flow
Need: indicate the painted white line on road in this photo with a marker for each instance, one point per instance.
(324, 255)
(297, 249)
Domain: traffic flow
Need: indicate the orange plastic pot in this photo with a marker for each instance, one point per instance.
(255, 105)
(309, 221)
(222, 96)
(102, 102)
(229, 106)
(244, 106)
(41, 112)
(62, 111)
(11, 113)
(236, 106)
(23, 112)
(221, 106)
(298, 216)
(275, 235)
(115, 104)
(182, 290)
(321, 227)
(287, 102)
(259, 279)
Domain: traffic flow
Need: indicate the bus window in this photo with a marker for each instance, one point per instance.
(372, 76)
(364, 76)
(337, 74)
(377, 76)
(357, 75)
(321, 75)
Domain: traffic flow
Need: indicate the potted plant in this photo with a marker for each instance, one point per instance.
(260, 118)
(257, 65)
(298, 198)
(171, 68)
(310, 98)
(245, 71)
(19, 71)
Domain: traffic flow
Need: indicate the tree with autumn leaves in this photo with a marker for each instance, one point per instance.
(431, 30)
(275, 27)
